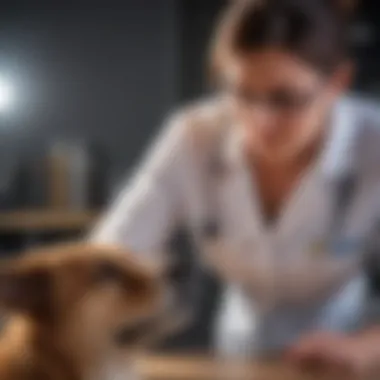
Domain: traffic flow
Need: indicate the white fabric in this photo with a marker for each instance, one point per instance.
(273, 268)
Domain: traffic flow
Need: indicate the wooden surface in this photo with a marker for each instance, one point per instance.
(186, 368)
(33, 221)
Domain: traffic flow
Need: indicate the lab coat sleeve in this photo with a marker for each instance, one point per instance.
(146, 211)
(372, 159)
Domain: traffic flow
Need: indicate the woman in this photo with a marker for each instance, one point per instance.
(277, 177)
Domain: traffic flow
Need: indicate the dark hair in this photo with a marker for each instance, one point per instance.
(317, 31)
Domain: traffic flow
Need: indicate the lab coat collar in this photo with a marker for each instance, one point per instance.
(338, 155)
(334, 161)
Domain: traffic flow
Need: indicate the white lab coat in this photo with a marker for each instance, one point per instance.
(277, 283)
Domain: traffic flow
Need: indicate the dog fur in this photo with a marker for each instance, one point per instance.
(66, 306)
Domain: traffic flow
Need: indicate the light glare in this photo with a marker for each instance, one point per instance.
(6, 95)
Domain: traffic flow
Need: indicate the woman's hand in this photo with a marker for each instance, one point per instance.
(356, 355)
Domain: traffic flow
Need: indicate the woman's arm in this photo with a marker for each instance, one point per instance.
(143, 215)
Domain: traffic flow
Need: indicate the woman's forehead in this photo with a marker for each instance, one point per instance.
(270, 67)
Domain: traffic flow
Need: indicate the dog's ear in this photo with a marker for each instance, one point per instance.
(26, 290)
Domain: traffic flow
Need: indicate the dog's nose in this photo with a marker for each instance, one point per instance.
(132, 334)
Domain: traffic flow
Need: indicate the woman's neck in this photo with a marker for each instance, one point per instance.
(293, 163)
(276, 180)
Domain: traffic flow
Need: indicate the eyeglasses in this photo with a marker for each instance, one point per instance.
(282, 100)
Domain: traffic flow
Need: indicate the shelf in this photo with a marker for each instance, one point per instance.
(35, 221)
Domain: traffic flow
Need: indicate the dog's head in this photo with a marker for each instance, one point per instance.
(89, 295)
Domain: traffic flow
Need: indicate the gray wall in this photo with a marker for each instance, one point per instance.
(108, 73)
(197, 21)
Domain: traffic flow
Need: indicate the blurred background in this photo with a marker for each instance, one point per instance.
(84, 88)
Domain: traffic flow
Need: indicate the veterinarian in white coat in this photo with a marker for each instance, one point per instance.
(278, 179)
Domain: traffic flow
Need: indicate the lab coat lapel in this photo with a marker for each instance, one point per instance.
(240, 208)
(240, 203)
(319, 182)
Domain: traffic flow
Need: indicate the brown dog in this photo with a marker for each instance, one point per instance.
(76, 313)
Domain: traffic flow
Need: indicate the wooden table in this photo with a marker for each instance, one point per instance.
(198, 368)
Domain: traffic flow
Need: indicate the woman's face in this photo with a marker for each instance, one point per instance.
(280, 102)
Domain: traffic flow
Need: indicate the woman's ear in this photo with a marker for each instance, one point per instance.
(26, 290)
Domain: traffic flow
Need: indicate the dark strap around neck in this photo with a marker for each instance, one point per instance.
(344, 192)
